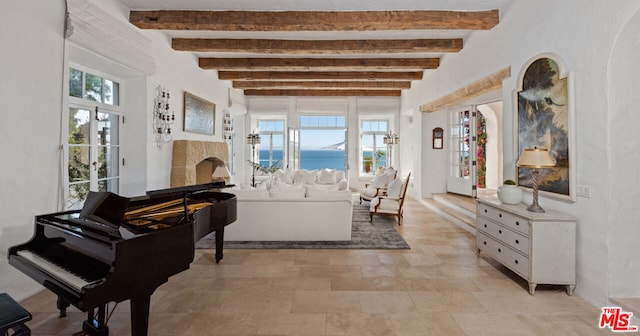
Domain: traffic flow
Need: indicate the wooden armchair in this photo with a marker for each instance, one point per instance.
(389, 205)
(378, 185)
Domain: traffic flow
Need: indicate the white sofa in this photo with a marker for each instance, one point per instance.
(301, 213)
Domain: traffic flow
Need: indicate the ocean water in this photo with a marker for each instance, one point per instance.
(312, 159)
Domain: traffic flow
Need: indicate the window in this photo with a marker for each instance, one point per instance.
(271, 142)
(323, 142)
(372, 147)
(322, 121)
(93, 136)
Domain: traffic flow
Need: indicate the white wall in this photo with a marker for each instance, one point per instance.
(31, 73)
(623, 192)
(582, 34)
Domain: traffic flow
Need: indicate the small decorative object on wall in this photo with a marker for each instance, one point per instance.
(227, 126)
(438, 138)
(545, 119)
(199, 114)
(162, 118)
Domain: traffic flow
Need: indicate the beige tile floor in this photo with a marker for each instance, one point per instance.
(438, 287)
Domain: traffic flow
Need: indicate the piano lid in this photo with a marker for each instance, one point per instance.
(182, 191)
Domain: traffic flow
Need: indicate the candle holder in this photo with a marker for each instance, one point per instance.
(162, 118)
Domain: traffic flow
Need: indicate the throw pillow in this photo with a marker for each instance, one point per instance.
(395, 188)
(308, 177)
(327, 176)
(379, 181)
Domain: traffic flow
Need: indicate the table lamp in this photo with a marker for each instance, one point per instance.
(535, 158)
(221, 173)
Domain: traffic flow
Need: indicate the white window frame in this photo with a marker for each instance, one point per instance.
(85, 104)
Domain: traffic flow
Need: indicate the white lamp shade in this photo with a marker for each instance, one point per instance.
(536, 158)
(221, 172)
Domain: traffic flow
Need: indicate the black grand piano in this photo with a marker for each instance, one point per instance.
(89, 262)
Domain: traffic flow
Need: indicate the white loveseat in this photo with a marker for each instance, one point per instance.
(291, 213)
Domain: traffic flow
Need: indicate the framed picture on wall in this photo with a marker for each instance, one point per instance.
(199, 114)
(545, 119)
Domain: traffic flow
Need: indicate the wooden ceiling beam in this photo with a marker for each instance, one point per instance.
(320, 75)
(318, 64)
(487, 84)
(313, 20)
(317, 93)
(324, 47)
(355, 85)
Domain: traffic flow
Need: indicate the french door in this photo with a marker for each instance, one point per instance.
(462, 151)
(93, 160)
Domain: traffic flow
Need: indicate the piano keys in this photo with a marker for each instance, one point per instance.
(89, 265)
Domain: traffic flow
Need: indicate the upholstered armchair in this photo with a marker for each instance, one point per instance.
(391, 204)
(378, 185)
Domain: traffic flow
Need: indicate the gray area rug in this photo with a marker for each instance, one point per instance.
(380, 234)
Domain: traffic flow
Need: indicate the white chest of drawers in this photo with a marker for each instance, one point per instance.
(539, 247)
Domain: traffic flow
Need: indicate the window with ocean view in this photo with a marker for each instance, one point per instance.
(323, 142)
(271, 142)
(373, 150)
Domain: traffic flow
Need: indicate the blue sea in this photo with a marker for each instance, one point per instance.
(312, 159)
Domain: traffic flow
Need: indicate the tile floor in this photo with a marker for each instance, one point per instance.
(438, 287)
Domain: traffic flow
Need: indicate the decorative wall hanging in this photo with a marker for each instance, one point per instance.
(545, 119)
(438, 138)
(163, 119)
(199, 114)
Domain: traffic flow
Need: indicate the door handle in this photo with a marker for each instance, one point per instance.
(95, 165)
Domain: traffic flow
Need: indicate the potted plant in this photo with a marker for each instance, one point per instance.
(509, 192)
(368, 163)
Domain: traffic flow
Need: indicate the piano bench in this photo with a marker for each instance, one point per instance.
(13, 317)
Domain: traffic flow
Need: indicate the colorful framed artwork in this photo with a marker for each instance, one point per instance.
(199, 114)
(545, 119)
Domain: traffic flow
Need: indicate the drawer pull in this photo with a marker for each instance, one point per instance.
(499, 250)
(517, 223)
(485, 210)
(485, 242)
(517, 242)
(516, 261)
(485, 225)
(500, 215)
(500, 231)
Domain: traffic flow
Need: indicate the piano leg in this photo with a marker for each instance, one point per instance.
(140, 315)
(219, 243)
(62, 306)
(95, 326)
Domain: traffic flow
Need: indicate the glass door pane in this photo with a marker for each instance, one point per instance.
(107, 140)
(79, 157)
(462, 173)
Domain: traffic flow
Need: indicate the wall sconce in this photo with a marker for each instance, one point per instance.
(253, 139)
(535, 158)
(162, 120)
(389, 140)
